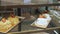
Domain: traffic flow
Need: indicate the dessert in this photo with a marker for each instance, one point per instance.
(41, 16)
(14, 19)
(4, 25)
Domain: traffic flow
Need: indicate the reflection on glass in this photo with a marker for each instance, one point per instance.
(21, 2)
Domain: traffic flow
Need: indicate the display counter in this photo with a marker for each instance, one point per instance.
(24, 25)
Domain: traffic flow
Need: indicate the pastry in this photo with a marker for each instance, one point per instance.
(5, 25)
(14, 20)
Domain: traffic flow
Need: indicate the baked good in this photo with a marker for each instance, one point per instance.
(5, 25)
(14, 20)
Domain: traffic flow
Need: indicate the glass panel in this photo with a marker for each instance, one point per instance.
(31, 15)
(28, 12)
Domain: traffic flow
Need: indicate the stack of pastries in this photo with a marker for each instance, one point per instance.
(13, 19)
(6, 24)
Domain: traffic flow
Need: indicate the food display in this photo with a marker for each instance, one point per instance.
(4, 25)
(14, 19)
(42, 21)
(9, 23)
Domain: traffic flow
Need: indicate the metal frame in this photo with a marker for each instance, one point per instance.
(34, 31)
(28, 6)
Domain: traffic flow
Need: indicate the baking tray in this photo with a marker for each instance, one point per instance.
(13, 26)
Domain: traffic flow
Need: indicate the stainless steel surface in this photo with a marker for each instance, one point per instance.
(56, 17)
(35, 31)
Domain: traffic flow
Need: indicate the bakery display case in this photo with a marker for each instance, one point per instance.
(18, 17)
